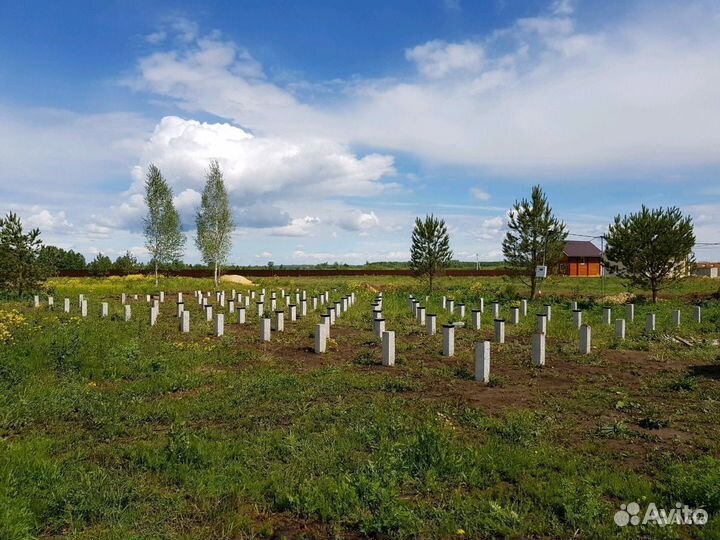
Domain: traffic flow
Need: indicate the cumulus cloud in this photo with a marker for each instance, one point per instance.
(48, 221)
(187, 201)
(357, 220)
(492, 228)
(549, 95)
(260, 167)
(539, 96)
(302, 226)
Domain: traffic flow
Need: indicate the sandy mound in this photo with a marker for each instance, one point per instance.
(620, 298)
(368, 287)
(136, 276)
(129, 277)
(234, 278)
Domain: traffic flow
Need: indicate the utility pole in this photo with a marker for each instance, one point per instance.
(477, 262)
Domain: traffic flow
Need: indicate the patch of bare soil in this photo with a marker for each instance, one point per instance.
(581, 395)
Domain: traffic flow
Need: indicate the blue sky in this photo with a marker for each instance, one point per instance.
(337, 123)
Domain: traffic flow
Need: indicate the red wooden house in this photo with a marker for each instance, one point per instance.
(582, 259)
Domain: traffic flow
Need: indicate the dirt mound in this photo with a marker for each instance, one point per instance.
(235, 278)
(368, 287)
(621, 298)
(130, 277)
(135, 276)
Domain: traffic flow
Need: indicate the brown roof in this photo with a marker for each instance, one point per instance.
(581, 248)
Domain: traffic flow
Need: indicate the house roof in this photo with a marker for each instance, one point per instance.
(581, 248)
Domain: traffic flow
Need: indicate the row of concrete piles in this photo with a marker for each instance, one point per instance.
(83, 306)
(335, 311)
(237, 303)
(621, 324)
(387, 337)
(482, 349)
(273, 319)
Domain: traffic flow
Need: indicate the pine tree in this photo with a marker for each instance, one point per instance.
(430, 250)
(125, 264)
(57, 259)
(536, 237)
(164, 239)
(651, 248)
(100, 266)
(214, 221)
(21, 270)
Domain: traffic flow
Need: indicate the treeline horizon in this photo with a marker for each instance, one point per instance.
(58, 260)
(651, 248)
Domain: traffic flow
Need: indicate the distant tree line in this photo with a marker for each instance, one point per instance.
(651, 248)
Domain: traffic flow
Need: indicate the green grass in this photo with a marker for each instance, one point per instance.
(118, 430)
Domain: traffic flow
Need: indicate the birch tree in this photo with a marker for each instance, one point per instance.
(214, 222)
(164, 239)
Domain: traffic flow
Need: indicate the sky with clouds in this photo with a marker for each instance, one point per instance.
(337, 123)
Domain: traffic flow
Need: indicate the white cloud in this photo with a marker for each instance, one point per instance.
(156, 37)
(491, 229)
(549, 95)
(357, 220)
(218, 77)
(185, 30)
(48, 222)
(562, 7)
(93, 230)
(479, 194)
(437, 59)
(187, 201)
(41, 147)
(125, 216)
(260, 167)
(303, 226)
(706, 221)
(181, 29)
(539, 96)
(352, 257)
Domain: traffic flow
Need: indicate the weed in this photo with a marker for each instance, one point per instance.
(684, 383)
(366, 358)
(652, 422)
(616, 430)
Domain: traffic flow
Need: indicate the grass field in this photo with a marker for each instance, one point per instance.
(113, 429)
